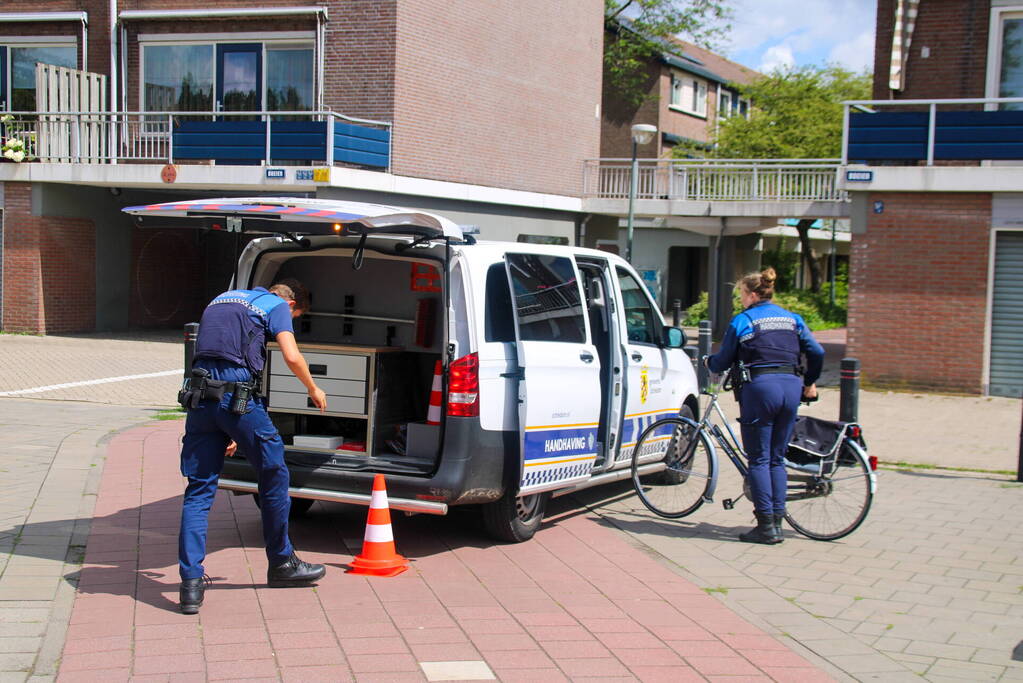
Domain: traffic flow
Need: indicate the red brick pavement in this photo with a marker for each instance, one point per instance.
(576, 603)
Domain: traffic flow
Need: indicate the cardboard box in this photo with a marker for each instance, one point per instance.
(317, 441)
(422, 440)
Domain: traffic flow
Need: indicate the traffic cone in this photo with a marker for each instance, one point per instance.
(433, 414)
(378, 557)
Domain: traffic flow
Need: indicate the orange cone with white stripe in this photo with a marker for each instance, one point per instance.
(378, 556)
(433, 414)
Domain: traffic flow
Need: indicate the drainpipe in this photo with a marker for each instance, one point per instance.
(112, 138)
(85, 43)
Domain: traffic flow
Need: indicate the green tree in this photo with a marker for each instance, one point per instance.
(796, 114)
(641, 30)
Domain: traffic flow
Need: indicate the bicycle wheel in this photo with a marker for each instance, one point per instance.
(828, 506)
(675, 484)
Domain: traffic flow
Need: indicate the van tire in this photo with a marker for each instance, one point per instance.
(515, 519)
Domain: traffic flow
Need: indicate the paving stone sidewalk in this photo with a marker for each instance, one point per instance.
(577, 603)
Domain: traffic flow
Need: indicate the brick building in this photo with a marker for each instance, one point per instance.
(484, 112)
(937, 205)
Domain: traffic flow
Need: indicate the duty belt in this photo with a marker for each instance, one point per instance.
(199, 387)
(777, 370)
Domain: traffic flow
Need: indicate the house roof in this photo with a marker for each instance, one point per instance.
(727, 70)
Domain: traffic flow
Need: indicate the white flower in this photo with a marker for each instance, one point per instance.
(9, 154)
(14, 143)
(18, 156)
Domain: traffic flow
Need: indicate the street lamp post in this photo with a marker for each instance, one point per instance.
(642, 133)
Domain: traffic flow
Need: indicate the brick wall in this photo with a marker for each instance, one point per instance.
(917, 291)
(498, 94)
(49, 268)
(956, 31)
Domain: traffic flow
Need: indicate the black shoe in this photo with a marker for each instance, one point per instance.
(778, 519)
(191, 594)
(294, 572)
(763, 532)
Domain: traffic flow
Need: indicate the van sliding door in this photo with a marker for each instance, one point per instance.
(559, 386)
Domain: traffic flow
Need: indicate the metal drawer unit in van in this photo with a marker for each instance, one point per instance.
(347, 375)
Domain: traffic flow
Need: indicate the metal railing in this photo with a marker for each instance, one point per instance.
(716, 179)
(866, 106)
(116, 137)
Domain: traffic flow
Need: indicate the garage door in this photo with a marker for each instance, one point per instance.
(1007, 317)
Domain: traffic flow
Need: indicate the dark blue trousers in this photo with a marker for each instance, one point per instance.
(767, 413)
(208, 429)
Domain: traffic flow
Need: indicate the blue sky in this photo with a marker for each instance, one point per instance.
(771, 33)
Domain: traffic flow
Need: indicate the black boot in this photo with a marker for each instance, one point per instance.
(294, 572)
(763, 532)
(778, 519)
(191, 593)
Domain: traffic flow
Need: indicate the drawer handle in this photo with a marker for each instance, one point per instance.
(317, 369)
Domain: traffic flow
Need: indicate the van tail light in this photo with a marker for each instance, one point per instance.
(464, 386)
(872, 459)
(855, 431)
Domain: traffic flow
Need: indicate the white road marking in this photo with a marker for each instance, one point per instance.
(84, 383)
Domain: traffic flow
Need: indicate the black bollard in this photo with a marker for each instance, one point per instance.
(191, 334)
(702, 349)
(849, 390)
(676, 312)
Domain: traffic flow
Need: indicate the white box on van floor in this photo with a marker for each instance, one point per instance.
(318, 441)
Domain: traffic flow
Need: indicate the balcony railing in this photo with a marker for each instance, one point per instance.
(321, 137)
(716, 179)
(924, 133)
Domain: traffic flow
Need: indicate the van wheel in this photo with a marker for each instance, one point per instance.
(515, 519)
(677, 475)
(299, 506)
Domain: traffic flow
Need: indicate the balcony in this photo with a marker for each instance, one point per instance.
(766, 188)
(232, 138)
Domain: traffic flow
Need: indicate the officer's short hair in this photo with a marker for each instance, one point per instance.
(291, 289)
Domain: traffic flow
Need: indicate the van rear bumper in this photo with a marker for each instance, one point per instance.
(471, 469)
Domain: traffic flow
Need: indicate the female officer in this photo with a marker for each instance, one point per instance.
(768, 340)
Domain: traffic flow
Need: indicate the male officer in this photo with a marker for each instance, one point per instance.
(229, 356)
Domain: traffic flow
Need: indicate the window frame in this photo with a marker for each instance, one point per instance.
(725, 112)
(995, 42)
(16, 42)
(694, 95)
(268, 41)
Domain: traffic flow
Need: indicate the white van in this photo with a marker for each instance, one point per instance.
(551, 359)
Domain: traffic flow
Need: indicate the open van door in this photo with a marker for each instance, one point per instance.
(559, 383)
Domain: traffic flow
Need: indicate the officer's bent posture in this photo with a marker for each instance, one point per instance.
(768, 341)
(225, 411)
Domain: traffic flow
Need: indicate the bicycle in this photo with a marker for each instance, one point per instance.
(831, 479)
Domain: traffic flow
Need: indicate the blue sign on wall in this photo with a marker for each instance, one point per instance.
(275, 173)
(859, 176)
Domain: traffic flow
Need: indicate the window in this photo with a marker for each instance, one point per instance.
(744, 108)
(177, 78)
(641, 321)
(689, 95)
(200, 76)
(23, 70)
(725, 104)
(1010, 59)
(289, 79)
(499, 320)
(546, 296)
(543, 239)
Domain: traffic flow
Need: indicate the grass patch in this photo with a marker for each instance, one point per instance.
(719, 589)
(923, 466)
(170, 414)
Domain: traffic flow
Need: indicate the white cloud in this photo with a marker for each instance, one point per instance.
(856, 54)
(813, 31)
(777, 57)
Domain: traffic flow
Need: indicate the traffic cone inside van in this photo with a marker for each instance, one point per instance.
(378, 556)
(433, 414)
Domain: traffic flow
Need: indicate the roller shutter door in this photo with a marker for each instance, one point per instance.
(1007, 317)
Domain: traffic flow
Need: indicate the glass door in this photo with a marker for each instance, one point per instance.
(239, 78)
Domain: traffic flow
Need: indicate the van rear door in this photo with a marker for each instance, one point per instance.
(559, 387)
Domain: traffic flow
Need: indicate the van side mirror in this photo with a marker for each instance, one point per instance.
(673, 337)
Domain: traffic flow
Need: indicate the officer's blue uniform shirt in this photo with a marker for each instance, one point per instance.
(236, 325)
(766, 335)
